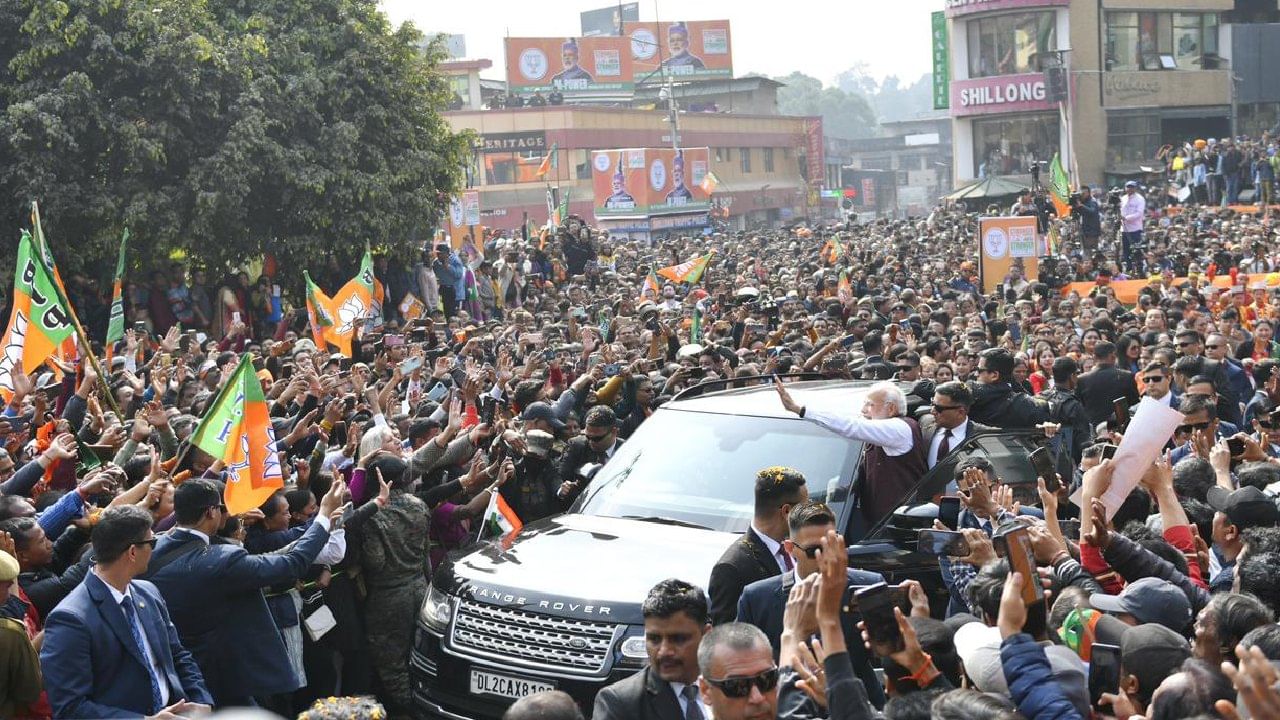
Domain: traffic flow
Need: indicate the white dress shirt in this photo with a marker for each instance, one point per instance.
(892, 434)
(156, 671)
(678, 689)
(958, 435)
(774, 547)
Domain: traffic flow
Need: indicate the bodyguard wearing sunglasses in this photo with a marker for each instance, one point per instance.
(1200, 425)
(764, 602)
(948, 426)
(739, 678)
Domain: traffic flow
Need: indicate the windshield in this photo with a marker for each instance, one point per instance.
(700, 468)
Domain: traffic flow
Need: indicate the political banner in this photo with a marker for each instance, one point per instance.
(608, 20)
(1005, 243)
(569, 65)
(649, 181)
(694, 50)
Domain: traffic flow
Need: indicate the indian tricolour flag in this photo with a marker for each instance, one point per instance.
(499, 518)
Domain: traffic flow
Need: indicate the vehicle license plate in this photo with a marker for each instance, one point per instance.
(483, 683)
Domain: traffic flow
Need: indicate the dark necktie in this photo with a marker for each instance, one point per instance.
(692, 710)
(944, 447)
(131, 615)
(786, 560)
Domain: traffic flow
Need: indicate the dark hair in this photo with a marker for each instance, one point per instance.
(1257, 474)
(1192, 404)
(601, 416)
(9, 505)
(1192, 478)
(1063, 369)
(1136, 506)
(1259, 575)
(193, 498)
(972, 705)
(545, 705)
(956, 391)
(1156, 366)
(999, 361)
(298, 499)
(911, 706)
(1266, 637)
(268, 506)
(420, 428)
(118, 529)
(18, 528)
(672, 596)
(1200, 515)
(1263, 369)
(394, 470)
(807, 514)
(872, 342)
(1202, 685)
(777, 486)
(938, 639)
(1261, 539)
(985, 588)
(1071, 598)
(1104, 350)
(1236, 614)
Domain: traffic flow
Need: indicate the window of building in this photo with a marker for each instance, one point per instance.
(1149, 40)
(722, 154)
(513, 167)
(582, 168)
(1132, 139)
(745, 155)
(461, 87)
(877, 162)
(768, 159)
(1008, 146)
(1007, 44)
(902, 178)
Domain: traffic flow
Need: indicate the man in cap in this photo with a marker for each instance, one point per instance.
(1148, 654)
(532, 492)
(679, 194)
(1148, 600)
(678, 48)
(570, 60)
(1133, 208)
(1234, 512)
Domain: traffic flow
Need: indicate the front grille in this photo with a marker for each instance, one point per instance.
(533, 640)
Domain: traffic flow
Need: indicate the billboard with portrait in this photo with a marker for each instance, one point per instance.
(570, 65)
(608, 20)
(649, 181)
(694, 50)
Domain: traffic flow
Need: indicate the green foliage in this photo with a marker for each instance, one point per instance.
(844, 114)
(222, 129)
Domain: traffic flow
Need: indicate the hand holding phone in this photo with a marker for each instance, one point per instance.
(942, 542)
(437, 393)
(1042, 461)
(876, 604)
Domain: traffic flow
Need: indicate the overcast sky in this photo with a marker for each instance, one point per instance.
(817, 37)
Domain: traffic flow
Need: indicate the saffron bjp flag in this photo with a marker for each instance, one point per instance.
(237, 430)
(499, 518)
(1059, 187)
(351, 306)
(115, 325)
(66, 351)
(549, 162)
(319, 311)
(650, 290)
(709, 183)
(39, 322)
(689, 271)
(832, 250)
(844, 289)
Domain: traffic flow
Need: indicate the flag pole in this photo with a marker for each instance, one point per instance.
(75, 321)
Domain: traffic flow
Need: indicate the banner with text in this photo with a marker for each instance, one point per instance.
(570, 65)
(941, 62)
(1005, 243)
(649, 181)
(694, 50)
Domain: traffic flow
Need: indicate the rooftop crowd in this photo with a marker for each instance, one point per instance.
(131, 590)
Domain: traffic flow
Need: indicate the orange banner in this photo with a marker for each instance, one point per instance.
(1005, 243)
(693, 50)
(649, 181)
(1127, 290)
(569, 65)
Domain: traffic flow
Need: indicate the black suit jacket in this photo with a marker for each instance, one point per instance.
(576, 454)
(746, 561)
(929, 427)
(643, 696)
(764, 602)
(1097, 388)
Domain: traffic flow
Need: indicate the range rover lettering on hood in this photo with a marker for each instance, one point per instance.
(483, 593)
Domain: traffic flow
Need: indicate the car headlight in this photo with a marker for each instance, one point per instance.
(436, 611)
(633, 651)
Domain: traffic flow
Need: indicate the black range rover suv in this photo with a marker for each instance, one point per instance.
(558, 604)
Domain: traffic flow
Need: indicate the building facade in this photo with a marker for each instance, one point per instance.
(760, 160)
(1137, 75)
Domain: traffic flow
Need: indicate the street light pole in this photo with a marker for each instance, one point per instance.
(668, 93)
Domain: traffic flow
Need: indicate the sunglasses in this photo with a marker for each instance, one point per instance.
(1193, 426)
(1153, 379)
(151, 542)
(944, 408)
(740, 687)
(597, 438)
(810, 551)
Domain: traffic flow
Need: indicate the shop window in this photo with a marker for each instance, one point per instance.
(582, 168)
(1008, 146)
(512, 167)
(744, 155)
(1160, 40)
(722, 155)
(1008, 44)
(1132, 139)
(768, 159)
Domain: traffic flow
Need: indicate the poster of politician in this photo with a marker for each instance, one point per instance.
(649, 181)
(693, 50)
(569, 65)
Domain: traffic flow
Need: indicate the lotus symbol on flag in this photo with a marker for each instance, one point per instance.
(13, 351)
(349, 313)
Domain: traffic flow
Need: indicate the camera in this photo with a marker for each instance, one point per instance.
(1114, 196)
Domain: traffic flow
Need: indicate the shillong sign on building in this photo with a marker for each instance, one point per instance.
(1004, 94)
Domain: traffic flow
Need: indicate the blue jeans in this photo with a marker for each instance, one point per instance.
(1130, 255)
(1233, 188)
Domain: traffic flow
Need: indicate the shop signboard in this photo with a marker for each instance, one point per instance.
(941, 62)
(1000, 94)
(694, 50)
(958, 8)
(649, 181)
(1005, 242)
(569, 65)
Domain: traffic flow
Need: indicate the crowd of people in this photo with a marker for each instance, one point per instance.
(131, 591)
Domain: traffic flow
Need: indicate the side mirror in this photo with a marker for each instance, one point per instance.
(588, 471)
